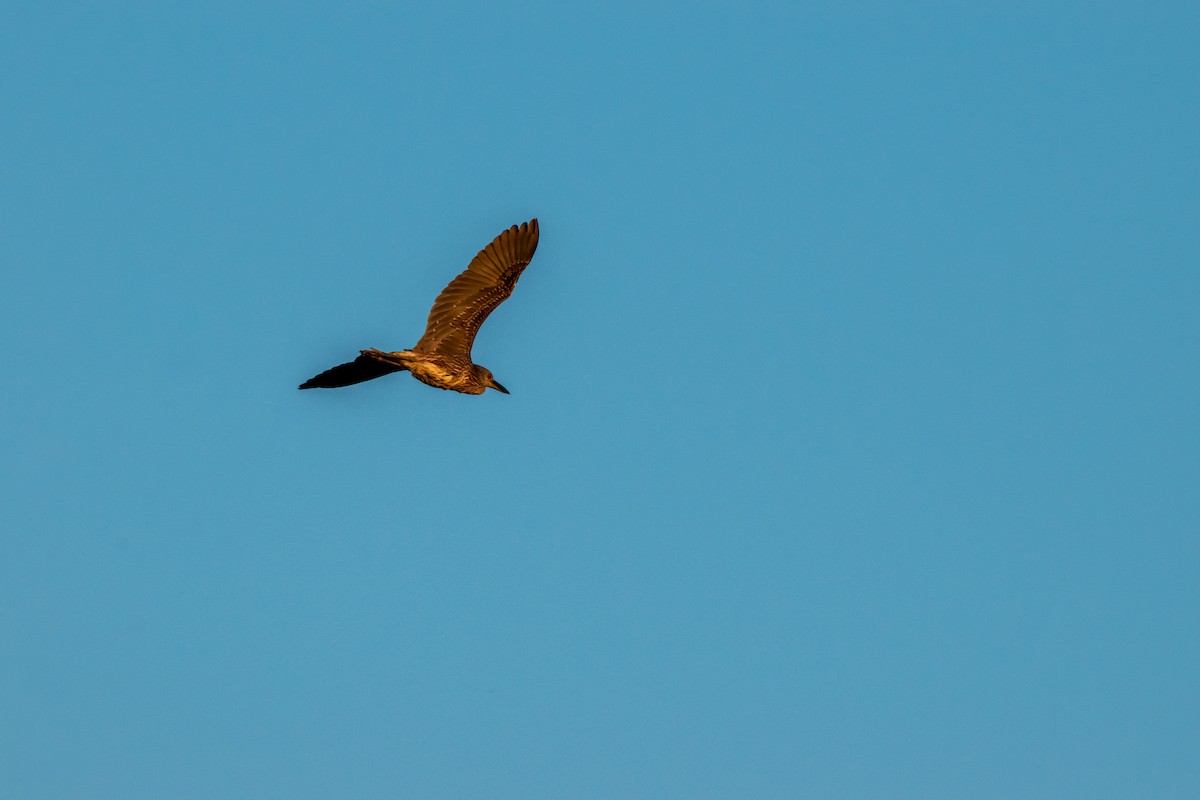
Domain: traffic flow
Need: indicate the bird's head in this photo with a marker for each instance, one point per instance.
(485, 377)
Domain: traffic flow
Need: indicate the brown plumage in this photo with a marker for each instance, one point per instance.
(442, 357)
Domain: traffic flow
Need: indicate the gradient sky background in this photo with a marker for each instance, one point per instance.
(853, 448)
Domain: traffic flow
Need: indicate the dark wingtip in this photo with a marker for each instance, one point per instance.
(364, 368)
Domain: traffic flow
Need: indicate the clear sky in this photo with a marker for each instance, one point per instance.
(853, 448)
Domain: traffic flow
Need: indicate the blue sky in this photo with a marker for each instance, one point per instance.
(852, 449)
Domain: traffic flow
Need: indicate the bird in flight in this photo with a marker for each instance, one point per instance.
(442, 357)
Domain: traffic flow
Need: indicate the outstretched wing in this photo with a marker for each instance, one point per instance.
(487, 282)
(363, 368)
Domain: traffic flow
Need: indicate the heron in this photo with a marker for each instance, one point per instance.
(442, 356)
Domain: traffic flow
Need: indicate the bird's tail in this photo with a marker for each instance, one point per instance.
(369, 365)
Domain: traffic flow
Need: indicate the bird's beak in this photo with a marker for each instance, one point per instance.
(496, 385)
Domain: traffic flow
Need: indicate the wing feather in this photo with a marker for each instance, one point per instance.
(488, 280)
(363, 368)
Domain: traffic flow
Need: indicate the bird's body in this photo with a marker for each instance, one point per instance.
(442, 357)
(436, 369)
